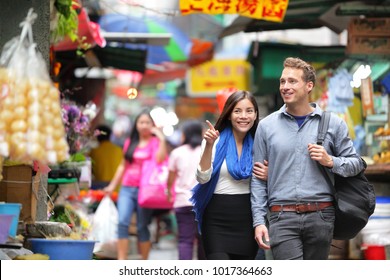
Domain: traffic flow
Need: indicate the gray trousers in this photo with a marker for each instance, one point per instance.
(301, 236)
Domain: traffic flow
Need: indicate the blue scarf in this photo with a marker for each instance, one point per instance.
(239, 168)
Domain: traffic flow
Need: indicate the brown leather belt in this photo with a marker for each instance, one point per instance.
(301, 207)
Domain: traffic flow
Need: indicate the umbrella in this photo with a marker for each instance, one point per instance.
(179, 46)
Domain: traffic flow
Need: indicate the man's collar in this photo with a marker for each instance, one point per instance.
(317, 110)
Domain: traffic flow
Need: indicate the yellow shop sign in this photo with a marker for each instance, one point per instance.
(269, 10)
(208, 78)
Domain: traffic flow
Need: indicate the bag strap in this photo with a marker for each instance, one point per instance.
(323, 127)
(322, 130)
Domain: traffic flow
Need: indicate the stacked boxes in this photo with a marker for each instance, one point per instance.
(18, 186)
(369, 36)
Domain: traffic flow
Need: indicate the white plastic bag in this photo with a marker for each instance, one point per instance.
(31, 124)
(105, 223)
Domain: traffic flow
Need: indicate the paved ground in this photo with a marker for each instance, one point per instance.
(165, 249)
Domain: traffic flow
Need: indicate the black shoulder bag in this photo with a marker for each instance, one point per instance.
(354, 196)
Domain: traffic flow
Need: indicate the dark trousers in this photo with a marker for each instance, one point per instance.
(187, 234)
(301, 236)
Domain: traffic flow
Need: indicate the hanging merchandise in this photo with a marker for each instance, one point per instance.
(340, 91)
(319, 94)
(367, 96)
(386, 83)
(31, 126)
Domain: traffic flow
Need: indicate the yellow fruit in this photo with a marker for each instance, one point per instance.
(58, 133)
(57, 122)
(32, 257)
(20, 112)
(35, 136)
(20, 100)
(379, 131)
(17, 138)
(8, 103)
(19, 125)
(7, 116)
(20, 150)
(36, 151)
(33, 95)
(35, 122)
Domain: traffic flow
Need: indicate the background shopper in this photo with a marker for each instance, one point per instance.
(105, 158)
(183, 162)
(146, 141)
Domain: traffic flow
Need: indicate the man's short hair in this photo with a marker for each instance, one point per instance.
(309, 73)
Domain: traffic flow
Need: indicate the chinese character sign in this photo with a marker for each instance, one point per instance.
(271, 10)
(210, 77)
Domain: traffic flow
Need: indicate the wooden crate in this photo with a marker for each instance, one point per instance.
(369, 27)
(364, 45)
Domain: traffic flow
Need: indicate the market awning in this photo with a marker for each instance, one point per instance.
(308, 14)
(135, 60)
(107, 57)
(118, 55)
(267, 60)
(201, 51)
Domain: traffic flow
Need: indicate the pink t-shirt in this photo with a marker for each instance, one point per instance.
(184, 160)
(132, 174)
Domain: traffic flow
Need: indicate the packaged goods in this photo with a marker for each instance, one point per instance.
(31, 126)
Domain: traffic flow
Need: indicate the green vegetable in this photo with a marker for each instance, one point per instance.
(67, 25)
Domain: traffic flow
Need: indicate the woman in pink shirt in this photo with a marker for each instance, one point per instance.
(145, 141)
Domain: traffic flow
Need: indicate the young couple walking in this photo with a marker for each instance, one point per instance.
(260, 182)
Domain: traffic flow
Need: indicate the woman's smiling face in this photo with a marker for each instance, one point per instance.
(243, 116)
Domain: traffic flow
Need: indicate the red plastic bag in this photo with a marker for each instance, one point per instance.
(222, 95)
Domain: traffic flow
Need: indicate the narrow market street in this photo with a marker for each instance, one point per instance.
(100, 101)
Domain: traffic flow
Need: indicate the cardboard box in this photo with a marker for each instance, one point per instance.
(369, 27)
(19, 186)
(364, 45)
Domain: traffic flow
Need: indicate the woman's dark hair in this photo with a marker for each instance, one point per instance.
(104, 132)
(193, 133)
(223, 120)
(134, 135)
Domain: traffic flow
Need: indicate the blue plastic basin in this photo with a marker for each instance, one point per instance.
(63, 249)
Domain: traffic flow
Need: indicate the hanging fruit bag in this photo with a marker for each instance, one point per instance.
(31, 126)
